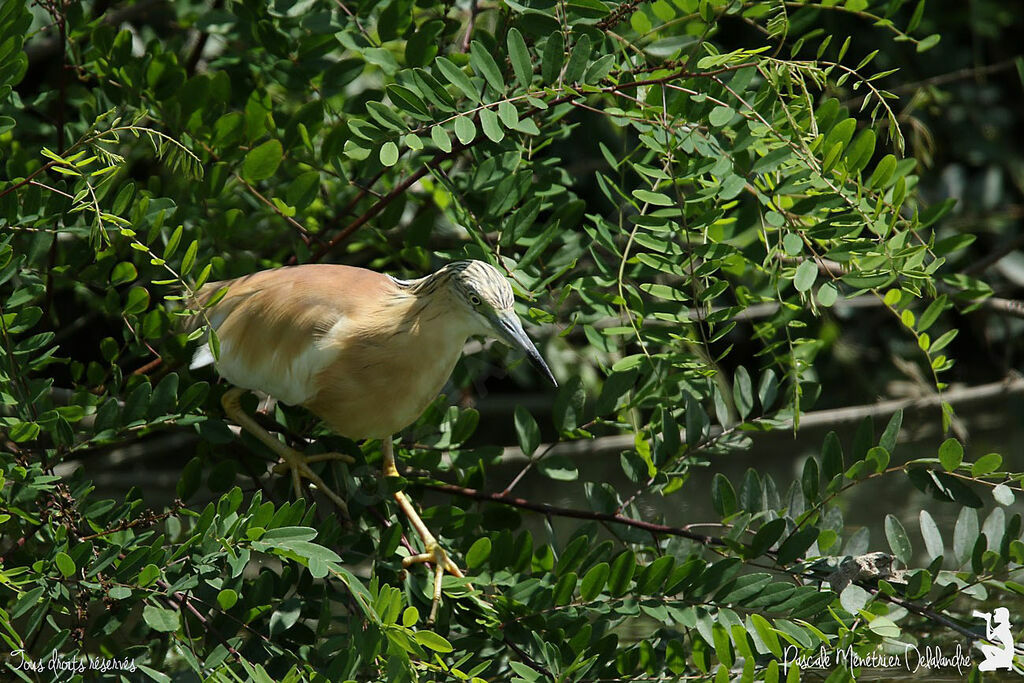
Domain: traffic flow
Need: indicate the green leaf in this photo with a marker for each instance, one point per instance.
(508, 114)
(465, 130)
(806, 274)
(883, 172)
(899, 542)
(877, 457)
(489, 122)
(484, 64)
(598, 69)
(986, 463)
(123, 272)
(567, 412)
(810, 479)
(891, 432)
(478, 552)
(552, 58)
(227, 598)
(931, 534)
(558, 467)
(422, 45)
(519, 55)
(827, 294)
(768, 635)
(621, 573)
(189, 260)
(440, 137)
(302, 191)
(767, 389)
(65, 564)
(261, 162)
(1003, 495)
(884, 627)
(951, 454)
(564, 589)
(743, 392)
(161, 619)
(854, 599)
(456, 77)
(653, 575)
(119, 592)
(148, 575)
(656, 198)
(191, 478)
(137, 300)
(527, 431)
(723, 495)
(928, 42)
(932, 214)
(409, 101)
(578, 59)
(796, 545)
(767, 536)
(831, 458)
(431, 640)
(931, 314)
(965, 534)
(841, 134)
(594, 581)
(721, 115)
(389, 154)
(859, 153)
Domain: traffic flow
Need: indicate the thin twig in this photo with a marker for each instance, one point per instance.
(383, 202)
(574, 513)
(527, 659)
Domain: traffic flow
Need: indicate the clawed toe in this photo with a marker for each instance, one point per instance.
(442, 563)
(297, 463)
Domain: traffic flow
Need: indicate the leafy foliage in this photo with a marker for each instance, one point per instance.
(691, 211)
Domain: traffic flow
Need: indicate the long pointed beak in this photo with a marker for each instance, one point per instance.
(508, 329)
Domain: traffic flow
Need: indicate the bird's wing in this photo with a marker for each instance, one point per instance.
(271, 324)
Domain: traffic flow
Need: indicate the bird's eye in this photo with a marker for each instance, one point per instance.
(474, 299)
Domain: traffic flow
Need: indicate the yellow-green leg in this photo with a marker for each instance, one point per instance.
(294, 461)
(432, 550)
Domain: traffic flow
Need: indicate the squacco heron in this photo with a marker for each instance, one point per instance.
(365, 352)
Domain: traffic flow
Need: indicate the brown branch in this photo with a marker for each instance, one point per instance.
(925, 612)
(815, 419)
(27, 180)
(1011, 307)
(303, 232)
(149, 518)
(527, 659)
(355, 18)
(990, 260)
(557, 511)
(474, 9)
(623, 11)
(942, 79)
(383, 202)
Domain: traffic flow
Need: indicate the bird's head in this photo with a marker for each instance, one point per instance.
(489, 301)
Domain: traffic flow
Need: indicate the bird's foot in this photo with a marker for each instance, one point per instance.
(297, 463)
(442, 563)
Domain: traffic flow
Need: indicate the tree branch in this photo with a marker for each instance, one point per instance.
(383, 202)
(557, 511)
